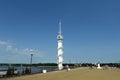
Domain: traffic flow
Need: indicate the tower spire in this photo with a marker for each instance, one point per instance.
(60, 32)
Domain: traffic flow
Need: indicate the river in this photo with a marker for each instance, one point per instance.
(34, 69)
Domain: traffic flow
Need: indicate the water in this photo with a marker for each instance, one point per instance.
(34, 69)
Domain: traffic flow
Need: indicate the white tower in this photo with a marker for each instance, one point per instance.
(60, 47)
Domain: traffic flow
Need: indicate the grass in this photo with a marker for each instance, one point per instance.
(75, 74)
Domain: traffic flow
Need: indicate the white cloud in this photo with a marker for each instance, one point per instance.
(8, 47)
(10, 53)
(4, 42)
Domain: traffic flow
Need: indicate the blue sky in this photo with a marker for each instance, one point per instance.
(91, 30)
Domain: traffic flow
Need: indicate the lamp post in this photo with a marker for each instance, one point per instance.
(31, 62)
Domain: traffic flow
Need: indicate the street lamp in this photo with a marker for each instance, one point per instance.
(31, 62)
(31, 59)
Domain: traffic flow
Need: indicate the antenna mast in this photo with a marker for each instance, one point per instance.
(60, 32)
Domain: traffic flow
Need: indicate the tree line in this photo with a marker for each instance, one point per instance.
(64, 64)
